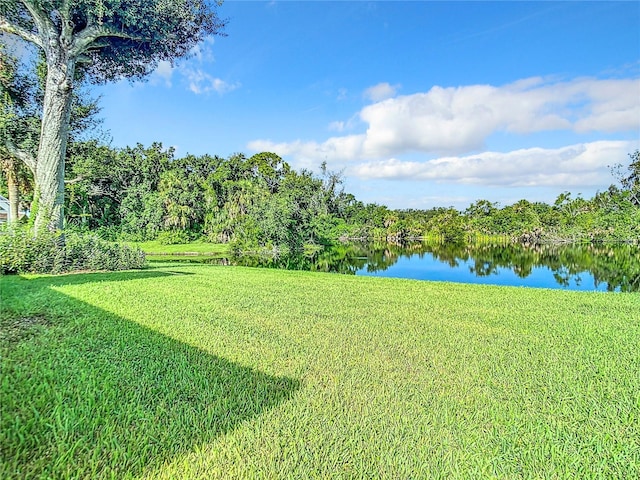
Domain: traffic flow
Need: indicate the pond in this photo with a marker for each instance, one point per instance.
(571, 267)
(586, 267)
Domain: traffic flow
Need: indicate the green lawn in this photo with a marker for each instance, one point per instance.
(154, 247)
(227, 372)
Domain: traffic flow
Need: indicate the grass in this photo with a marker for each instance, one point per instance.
(227, 372)
(154, 247)
(193, 252)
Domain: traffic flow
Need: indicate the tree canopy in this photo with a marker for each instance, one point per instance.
(112, 38)
(105, 40)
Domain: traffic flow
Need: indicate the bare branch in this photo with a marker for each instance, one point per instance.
(74, 180)
(83, 59)
(26, 157)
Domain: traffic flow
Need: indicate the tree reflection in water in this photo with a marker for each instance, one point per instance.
(612, 266)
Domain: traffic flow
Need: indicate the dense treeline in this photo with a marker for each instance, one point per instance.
(144, 193)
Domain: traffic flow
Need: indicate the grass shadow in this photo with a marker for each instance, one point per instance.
(99, 396)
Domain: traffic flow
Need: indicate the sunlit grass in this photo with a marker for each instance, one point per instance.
(228, 372)
(153, 247)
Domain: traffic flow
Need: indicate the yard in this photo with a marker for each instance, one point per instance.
(227, 372)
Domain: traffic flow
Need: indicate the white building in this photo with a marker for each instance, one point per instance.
(4, 209)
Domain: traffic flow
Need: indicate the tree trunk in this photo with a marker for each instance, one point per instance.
(49, 172)
(14, 193)
(10, 168)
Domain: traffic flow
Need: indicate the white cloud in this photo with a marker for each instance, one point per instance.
(337, 126)
(164, 72)
(203, 51)
(585, 164)
(458, 120)
(201, 82)
(342, 125)
(194, 71)
(381, 91)
(345, 148)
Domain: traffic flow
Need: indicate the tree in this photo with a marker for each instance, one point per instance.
(107, 40)
(21, 96)
(141, 207)
(631, 180)
(16, 115)
(269, 168)
(94, 189)
(7, 97)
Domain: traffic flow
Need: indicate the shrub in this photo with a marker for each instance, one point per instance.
(21, 252)
(173, 237)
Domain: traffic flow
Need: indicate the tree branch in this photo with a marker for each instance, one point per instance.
(8, 27)
(66, 22)
(26, 157)
(84, 39)
(65, 8)
(74, 180)
(43, 23)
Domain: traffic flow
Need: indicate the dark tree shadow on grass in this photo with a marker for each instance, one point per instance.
(108, 398)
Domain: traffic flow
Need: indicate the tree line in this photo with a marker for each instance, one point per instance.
(145, 193)
(259, 202)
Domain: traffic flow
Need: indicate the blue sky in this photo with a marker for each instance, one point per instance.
(420, 104)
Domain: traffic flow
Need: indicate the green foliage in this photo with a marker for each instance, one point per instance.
(19, 103)
(448, 224)
(19, 125)
(22, 252)
(142, 214)
(173, 237)
(260, 202)
(123, 38)
(630, 179)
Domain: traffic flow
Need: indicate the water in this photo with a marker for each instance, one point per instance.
(569, 267)
(430, 268)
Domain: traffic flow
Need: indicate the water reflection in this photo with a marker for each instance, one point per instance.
(579, 267)
(576, 267)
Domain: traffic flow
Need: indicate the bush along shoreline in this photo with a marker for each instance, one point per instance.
(55, 253)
